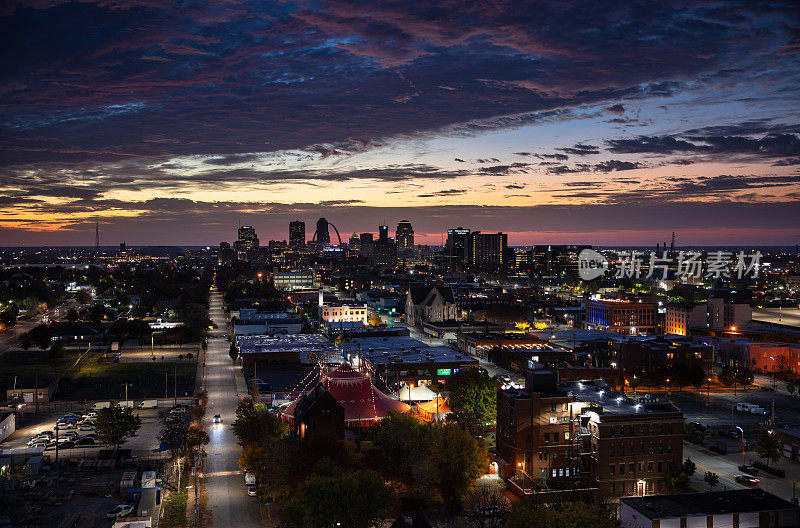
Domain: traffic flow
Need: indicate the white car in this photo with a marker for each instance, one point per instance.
(86, 426)
(120, 510)
(217, 418)
(251, 491)
(38, 441)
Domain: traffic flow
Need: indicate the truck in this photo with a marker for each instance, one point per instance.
(755, 409)
(249, 479)
(125, 404)
(101, 405)
(744, 407)
(148, 404)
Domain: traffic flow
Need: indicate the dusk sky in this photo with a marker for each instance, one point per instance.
(599, 122)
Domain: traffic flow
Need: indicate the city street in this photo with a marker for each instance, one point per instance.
(227, 497)
(783, 316)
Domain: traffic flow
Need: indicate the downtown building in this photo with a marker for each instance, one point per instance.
(621, 316)
(581, 436)
(297, 234)
(404, 237)
(487, 251)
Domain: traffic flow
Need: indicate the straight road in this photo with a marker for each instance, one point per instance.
(227, 496)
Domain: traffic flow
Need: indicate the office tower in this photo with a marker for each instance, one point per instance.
(321, 235)
(383, 234)
(354, 243)
(487, 251)
(366, 238)
(297, 233)
(247, 238)
(457, 243)
(404, 236)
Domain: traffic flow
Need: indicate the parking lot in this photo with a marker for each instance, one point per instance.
(144, 444)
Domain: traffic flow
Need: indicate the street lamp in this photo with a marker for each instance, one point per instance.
(741, 433)
(708, 392)
(773, 390)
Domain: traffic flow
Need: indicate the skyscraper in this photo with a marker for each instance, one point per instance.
(322, 235)
(487, 251)
(247, 238)
(404, 236)
(297, 233)
(457, 243)
(383, 234)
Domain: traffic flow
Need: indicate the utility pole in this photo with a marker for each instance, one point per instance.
(175, 387)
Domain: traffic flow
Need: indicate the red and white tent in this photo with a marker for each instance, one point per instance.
(363, 403)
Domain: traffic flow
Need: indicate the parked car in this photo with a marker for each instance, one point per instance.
(750, 470)
(90, 415)
(86, 426)
(731, 433)
(44, 434)
(251, 491)
(38, 442)
(66, 443)
(84, 440)
(65, 425)
(698, 426)
(747, 479)
(217, 418)
(120, 510)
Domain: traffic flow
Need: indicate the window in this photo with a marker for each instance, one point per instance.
(660, 466)
(554, 472)
(622, 469)
(611, 431)
(547, 438)
(631, 468)
(555, 437)
(641, 467)
(553, 408)
(611, 470)
(560, 472)
(649, 467)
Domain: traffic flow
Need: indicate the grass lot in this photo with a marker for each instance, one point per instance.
(27, 366)
(91, 380)
(174, 506)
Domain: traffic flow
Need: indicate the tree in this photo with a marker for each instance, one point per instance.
(359, 499)
(196, 438)
(769, 447)
(712, 479)
(173, 437)
(398, 440)
(676, 480)
(115, 425)
(790, 387)
(57, 351)
(72, 315)
(39, 336)
(564, 515)
(454, 459)
(473, 399)
(233, 352)
(689, 467)
(374, 319)
(744, 377)
(83, 297)
(488, 505)
(254, 423)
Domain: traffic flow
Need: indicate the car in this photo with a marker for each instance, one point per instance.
(87, 426)
(91, 415)
(38, 442)
(251, 491)
(120, 510)
(750, 470)
(84, 440)
(766, 388)
(44, 434)
(698, 426)
(217, 418)
(65, 425)
(66, 443)
(747, 479)
(69, 434)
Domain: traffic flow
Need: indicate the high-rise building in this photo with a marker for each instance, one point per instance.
(365, 238)
(457, 243)
(297, 233)
(247, 238)
(487, 251)
(322, 235)
(404, 236)
(383, 234)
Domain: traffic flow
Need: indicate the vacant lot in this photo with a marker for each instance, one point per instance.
(26, 368)
(92, 380)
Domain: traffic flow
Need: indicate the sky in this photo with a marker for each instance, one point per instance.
(597, 122)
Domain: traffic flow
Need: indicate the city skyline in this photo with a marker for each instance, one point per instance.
(589, 124)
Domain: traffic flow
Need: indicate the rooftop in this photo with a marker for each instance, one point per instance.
(400, 349)
(612, 402)
(283, 343)
(709, 503)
